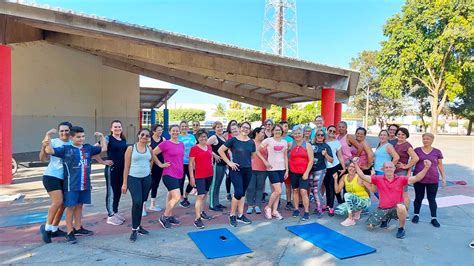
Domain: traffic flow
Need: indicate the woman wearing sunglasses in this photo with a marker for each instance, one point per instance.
(322, 155)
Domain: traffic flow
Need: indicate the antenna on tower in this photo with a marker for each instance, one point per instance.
(280, 35)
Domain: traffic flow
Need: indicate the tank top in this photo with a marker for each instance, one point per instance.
(116, 150)
(346, 149)
(298, 158)
(154, 144)
(140, 163)
(354, 187)
(363, 158)
(216, 147)
(381, 156)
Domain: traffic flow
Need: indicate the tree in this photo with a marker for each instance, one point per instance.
(235, 105)
(220, 110)
(463, 105)
(429, 44)
(382, 105)
(187, 114)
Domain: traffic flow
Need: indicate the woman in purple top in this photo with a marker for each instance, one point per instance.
(431, 179)
(173, 154)
(408, 158)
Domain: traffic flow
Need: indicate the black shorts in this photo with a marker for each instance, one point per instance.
(276, 176)
(171, 183)
(298, 182)
(52, 183)
(203, 185)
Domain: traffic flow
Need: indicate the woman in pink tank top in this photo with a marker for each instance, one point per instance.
(366, 157)
(347, 140)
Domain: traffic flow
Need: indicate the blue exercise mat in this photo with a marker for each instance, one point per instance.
(339, 245)
(28, 218)
(218, 243)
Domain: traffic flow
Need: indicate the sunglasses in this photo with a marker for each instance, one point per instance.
(332, 131)
(320, 135)
(195, 125)
(247, 128)
(143, 135)
(67, 130)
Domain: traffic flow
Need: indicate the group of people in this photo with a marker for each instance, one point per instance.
(319, 165)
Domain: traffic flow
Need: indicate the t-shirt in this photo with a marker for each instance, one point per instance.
(335, 145)
(173, 153)
(189, 141)
(77, 165)
(276, 153)
(402, 151)
(241, 151)
(390, 192)
(55, 167)
(203, 161)
(116, 150)
(288, 139)
(432, 176)
(319, 159)
(257, 163)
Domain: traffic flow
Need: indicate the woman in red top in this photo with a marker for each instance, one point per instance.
(300, 162)
(201, 172)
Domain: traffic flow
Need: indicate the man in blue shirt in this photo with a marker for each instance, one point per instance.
(77, 182)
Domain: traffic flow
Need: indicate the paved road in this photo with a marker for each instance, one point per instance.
(269, 240)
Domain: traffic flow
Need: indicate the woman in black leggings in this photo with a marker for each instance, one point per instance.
(431, 179)
(156, 171)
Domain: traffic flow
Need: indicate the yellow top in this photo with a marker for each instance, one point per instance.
(354, 187)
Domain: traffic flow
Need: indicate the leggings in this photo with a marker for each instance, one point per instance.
(139, 188)
(255, 188)
(219, 172)
(353, 203)
(156, 173)
(113, 183)
(329, 184)
(227, 183)
(240, 180)
(189, 188)
(431, 190)
(315, 183)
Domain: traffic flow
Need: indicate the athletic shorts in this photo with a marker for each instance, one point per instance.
(73, 198)
(298, 182)
(170, 182)
(276, 176)
(52, 183)
(380, 215)
(203, 185)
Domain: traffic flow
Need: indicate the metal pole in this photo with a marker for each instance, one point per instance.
(366, 122)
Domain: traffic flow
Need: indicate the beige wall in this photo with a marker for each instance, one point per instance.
(51, 84)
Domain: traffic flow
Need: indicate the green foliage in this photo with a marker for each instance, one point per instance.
(453, 124)
(243, 115)
(187, 114)
(429, 45)
(235, 105)
(220, 110)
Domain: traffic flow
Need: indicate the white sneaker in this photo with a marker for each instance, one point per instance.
(113, 220)
(155, 208)
(144, 213)
(119, 216)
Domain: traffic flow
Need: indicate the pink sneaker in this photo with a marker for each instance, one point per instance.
(348, 222)
(277, 215)
(114, 220)
(356, 215)
(119, 216)
(267, 212)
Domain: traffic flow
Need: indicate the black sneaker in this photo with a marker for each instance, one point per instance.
(164, 221)
(71, 238)
(401, 233)
(229, 197)
(198, 223)
(385, 223)
(216, 209)
(415, 219)
(264, 196)
(305, 216)
(58, 233)
(300, 205)
(173, 220)
(205, 216)
(45, 235)
(244, 219)
(83, 232)
(185, 203)
(233, 220)
(133, 236)
(142, 231)
(289, 206)
(435, 223)
(296, 213)
(221, 206)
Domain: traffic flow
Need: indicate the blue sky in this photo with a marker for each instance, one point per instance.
(329, 31)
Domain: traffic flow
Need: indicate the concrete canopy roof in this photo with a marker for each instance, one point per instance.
(154, 97)
(231, 72)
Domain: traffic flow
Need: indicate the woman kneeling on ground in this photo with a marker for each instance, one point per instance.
(356, 196)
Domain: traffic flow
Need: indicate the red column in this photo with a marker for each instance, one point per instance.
(140, 123)
(5, 116)
(264, 115)
(283, 114)
(328, 99)
(337, 113)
